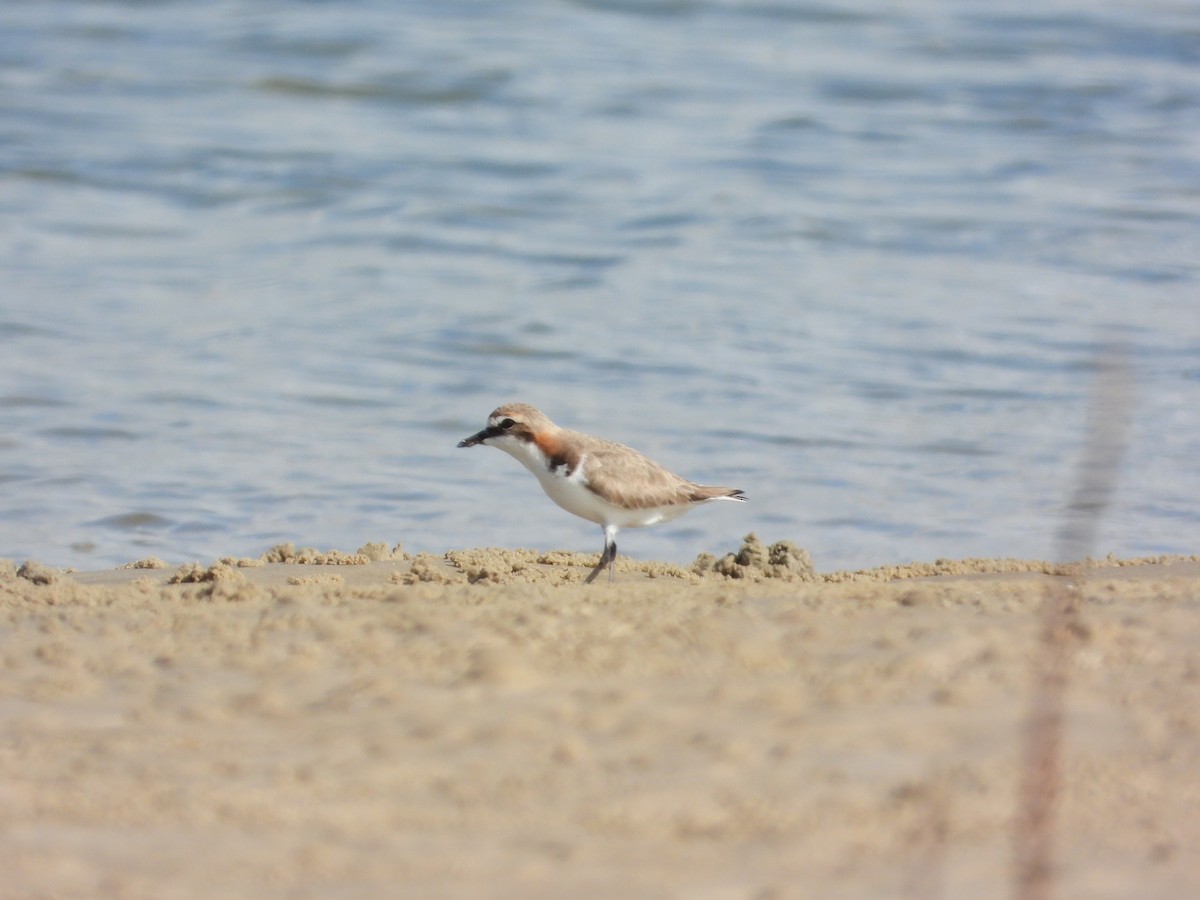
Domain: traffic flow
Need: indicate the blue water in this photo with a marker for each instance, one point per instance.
(262, 264)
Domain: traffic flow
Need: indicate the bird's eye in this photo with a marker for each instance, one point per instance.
(507, 424)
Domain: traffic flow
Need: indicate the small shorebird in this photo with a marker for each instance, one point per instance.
(601, 481)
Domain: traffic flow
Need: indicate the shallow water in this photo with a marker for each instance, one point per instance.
(264, 264)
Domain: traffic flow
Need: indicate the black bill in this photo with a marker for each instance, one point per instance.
(480, 436)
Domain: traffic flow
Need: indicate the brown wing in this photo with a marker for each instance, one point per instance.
(631, 480)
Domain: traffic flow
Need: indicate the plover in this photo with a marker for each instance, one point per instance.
(601, 481)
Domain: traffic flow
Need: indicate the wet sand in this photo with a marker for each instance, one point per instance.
(365, 724)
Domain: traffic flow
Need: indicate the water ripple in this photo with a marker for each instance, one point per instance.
(262, 271)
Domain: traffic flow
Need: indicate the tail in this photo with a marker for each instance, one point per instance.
(702, 492)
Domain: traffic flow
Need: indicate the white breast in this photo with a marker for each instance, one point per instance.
(572, 493)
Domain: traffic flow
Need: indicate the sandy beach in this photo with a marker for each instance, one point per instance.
(367, 724)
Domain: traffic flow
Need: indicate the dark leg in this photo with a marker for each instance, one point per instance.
(606, 559)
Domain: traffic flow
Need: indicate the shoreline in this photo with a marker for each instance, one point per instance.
(376, 563)
(302, 729)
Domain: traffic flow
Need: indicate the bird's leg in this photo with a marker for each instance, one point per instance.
(606, 558)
